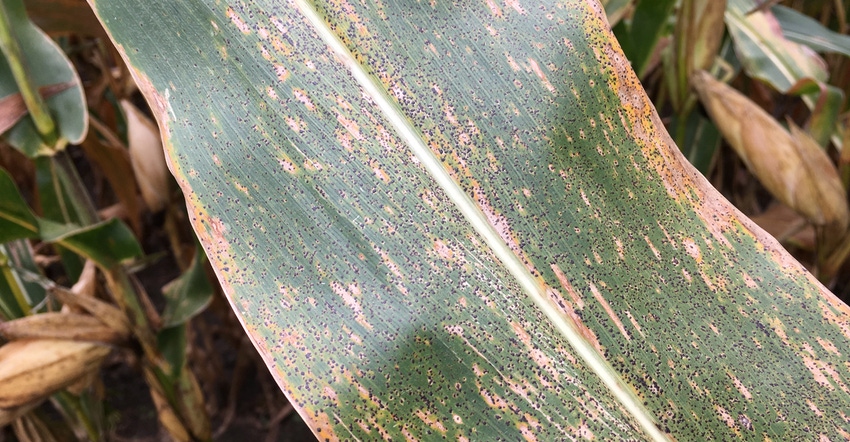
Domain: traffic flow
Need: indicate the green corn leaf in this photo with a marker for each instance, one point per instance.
(466, 220)
(805, 30)
(651, 20)
(189, 294)
(107, 243)
(16, 219)
(17, 294)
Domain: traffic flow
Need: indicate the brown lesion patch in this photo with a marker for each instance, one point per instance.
(443, 250)
(565, 283)
(492, 399)
(321, 422)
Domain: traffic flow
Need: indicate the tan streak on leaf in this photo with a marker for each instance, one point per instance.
(565, 283)
(542, 76)
(814, 408)
(515, 5)
(527, 434)
(237, 21)
(513, 64)
(828, 346)
(814, 367)
(725, 416)
(321, 425)
(387, 261)
(500, 224)
(609, 310)
(620, 249)
(408, 435)
(492, 400)
(740, 386)
(779, 328)
(652, 246)
(431, 420)
(567, 309)
(634, 323)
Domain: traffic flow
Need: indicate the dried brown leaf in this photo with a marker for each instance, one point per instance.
(31, 369)
(147, 157)
(789, 165)
(71, 326)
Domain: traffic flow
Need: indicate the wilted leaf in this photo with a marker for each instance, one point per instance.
(9, 415)
(106, 313)
(35, 368)
(70, 326)
(764, 51)
(787, 226)
(147, 158)
(791, 166)
(826, 107)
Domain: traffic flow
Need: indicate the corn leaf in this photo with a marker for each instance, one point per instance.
(466, 220)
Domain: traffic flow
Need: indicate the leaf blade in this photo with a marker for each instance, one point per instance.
(352, 251)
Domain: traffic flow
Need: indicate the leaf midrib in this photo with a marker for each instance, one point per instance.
(474, 215)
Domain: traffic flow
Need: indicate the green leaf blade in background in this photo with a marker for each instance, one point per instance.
(47, 65)
(766, 54)
(648, 25)
(16, 219)
(805, 30)
(189, 294)
(377, 305)
(764, 51)
(107, 243)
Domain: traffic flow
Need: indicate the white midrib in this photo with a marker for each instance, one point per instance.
(478, 220)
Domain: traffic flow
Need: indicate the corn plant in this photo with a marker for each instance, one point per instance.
(466, 220)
